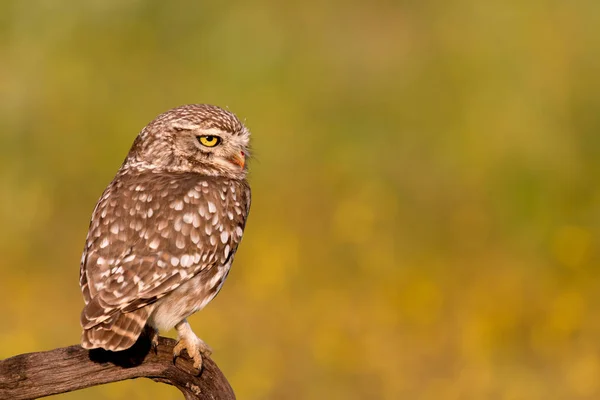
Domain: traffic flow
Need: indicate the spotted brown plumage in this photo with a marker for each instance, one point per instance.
(165, 231)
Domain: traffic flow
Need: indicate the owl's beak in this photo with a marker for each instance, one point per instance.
(239, 159)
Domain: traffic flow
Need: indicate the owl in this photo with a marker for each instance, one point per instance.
(164, 233)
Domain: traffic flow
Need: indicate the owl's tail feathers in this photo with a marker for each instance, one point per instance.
(119, 332)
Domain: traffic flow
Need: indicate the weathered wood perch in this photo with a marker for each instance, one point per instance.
(33, 375)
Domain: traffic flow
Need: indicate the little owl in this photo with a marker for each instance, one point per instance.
(164, 233)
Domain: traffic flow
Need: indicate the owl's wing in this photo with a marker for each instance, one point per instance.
(151, 234)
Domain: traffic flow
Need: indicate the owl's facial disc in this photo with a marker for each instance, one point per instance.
(221, 148)
(212, 150)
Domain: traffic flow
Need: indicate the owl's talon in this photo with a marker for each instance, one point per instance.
(154, 343)
(194, 349)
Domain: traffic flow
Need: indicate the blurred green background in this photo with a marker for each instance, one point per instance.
(425, 189)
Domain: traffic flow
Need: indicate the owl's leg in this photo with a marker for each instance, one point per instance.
(194, 346)
(152, 333)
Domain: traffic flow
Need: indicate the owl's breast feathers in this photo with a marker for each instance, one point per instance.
(152, 232)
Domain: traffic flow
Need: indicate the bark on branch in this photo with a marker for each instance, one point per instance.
(33, 375)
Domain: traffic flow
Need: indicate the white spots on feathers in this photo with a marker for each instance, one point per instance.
(188, 218)
(188, 260)
(196, 221)
(226, 251)
(116, 270)
(177, 224)
(174, 261)
(211, 207)
(193, 193)
(224, 236)
(104, 243)
(154, 243)
(177, 205)
(162, 224)
(239, 231)
(194, 236)
(180, 242)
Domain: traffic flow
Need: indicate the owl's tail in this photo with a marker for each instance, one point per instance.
(119, 332)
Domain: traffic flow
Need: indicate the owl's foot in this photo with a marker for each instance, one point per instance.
(154, 341)
(194, 346)
(152, 334)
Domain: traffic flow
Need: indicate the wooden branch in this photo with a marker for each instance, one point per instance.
(33, 375)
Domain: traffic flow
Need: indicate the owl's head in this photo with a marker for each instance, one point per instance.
(198, 138)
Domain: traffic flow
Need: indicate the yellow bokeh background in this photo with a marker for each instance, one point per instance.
(425, 212)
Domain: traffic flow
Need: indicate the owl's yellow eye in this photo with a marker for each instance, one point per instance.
(209, 140)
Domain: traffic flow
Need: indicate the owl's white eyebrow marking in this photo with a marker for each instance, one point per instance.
(184, 125)
(212, 132)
